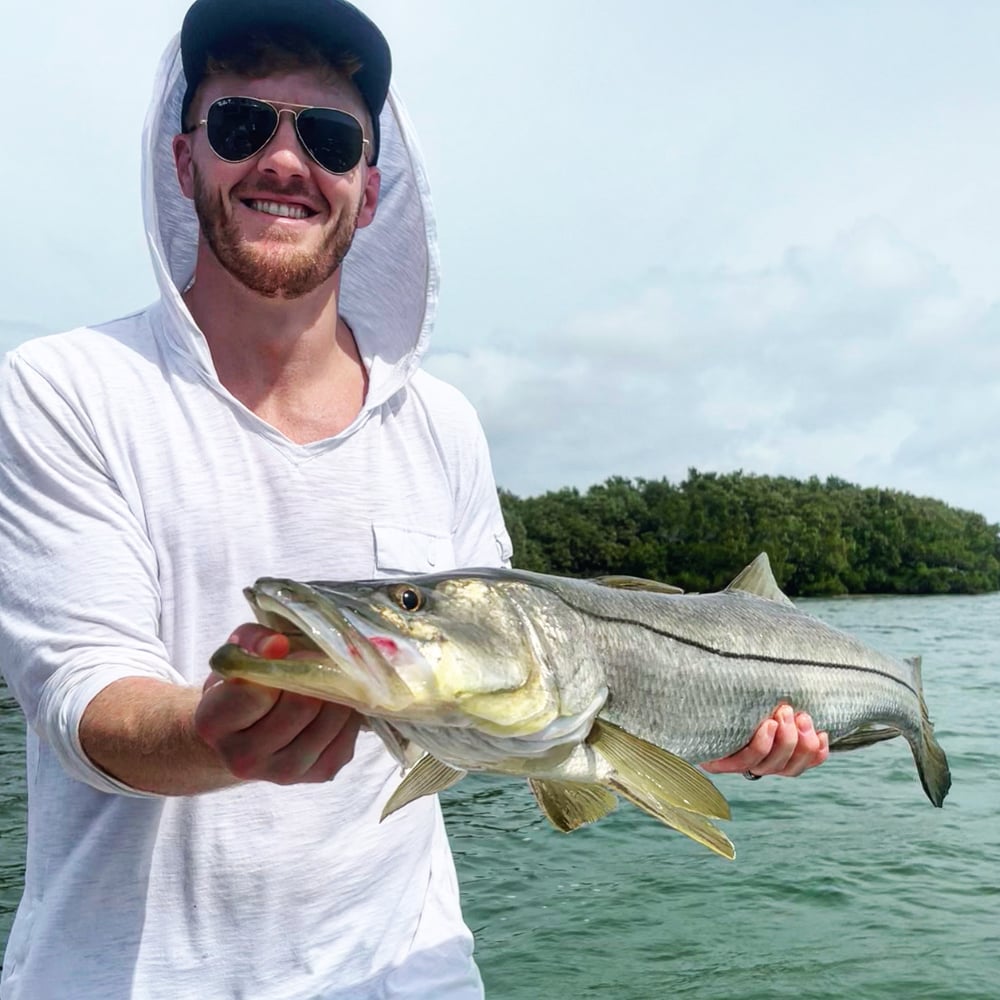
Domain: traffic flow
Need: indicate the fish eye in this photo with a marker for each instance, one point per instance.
(408, 598)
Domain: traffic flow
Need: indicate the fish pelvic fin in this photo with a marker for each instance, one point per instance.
(405, 751)
(656, 774)
(427, 776)
(864, 736)
(568, 805)
(758, 579)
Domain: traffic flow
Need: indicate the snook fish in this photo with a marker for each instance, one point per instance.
(588, 688)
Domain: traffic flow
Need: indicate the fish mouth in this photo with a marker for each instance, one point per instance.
(334, 654)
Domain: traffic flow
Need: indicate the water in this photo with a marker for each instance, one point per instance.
(847, 882)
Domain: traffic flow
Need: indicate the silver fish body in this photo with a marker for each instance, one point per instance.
(697, 674)
(584, 686)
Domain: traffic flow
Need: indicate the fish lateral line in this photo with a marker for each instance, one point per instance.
(735, 654)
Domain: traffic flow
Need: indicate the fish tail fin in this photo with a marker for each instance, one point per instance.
(932, 764)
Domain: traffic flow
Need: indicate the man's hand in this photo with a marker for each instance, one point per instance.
(263, 734)
(786, 744)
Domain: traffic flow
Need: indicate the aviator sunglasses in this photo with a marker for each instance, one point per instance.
(240, 127)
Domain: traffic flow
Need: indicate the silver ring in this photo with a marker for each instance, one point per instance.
(750, 776)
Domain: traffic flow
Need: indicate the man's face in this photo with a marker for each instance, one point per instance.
(278, 222)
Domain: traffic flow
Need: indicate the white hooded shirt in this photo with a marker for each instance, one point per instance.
(137, 498)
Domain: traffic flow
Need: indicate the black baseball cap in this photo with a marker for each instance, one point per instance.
(334, 26)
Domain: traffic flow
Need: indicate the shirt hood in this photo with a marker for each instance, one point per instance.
(389, 279)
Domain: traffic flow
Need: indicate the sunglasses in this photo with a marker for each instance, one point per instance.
(240, 127)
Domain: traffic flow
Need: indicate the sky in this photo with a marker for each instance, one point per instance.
(723, 235)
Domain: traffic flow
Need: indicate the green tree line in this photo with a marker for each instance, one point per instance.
(823, 538)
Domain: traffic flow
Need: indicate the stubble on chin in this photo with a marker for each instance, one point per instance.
(271, 271)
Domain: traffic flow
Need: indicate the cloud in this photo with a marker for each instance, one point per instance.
(861, 359)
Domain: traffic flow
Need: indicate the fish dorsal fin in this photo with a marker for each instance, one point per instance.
(662, 774)
(569, 805)
(757, 579)
(637, 583)
(427, 776)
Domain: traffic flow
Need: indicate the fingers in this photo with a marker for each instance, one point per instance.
(786, 744)
(753, 753)
(338, 750)
(263, 734)
(256, 639)
(228, 707)
(262, 641)
(811, 748)
(300, 740)
(786, 738)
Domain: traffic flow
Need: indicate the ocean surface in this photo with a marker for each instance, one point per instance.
(847, 882)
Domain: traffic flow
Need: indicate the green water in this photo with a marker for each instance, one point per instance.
(847, 882)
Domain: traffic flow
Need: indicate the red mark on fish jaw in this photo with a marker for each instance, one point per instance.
(385, 646)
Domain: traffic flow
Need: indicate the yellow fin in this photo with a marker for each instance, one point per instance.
(427, 776)
(696, 827)
(569, 805)
(637, 583)
(757, 579)
(864, 736)
(658, 773)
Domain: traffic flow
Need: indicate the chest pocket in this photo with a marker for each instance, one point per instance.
(406, 550)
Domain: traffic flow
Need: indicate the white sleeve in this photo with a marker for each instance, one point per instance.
(479, 535)
(79, 597)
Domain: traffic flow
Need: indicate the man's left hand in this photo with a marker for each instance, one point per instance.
(785, 744)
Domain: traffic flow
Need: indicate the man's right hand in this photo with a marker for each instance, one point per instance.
(263, 734)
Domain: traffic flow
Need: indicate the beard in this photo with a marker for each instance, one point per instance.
(285, 271)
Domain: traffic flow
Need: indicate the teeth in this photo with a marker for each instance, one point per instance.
(277, 208)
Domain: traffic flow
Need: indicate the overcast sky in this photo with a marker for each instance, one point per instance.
(757, 236)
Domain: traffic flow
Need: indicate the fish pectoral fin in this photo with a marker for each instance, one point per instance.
(657, 773)
(864, 736)
(569, 805)
(405, 751)
(758, 579)
(696, 827)
(427, 776)
(637, 583)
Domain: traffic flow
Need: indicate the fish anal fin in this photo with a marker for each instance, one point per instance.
(697, 828)
(427, 776)
(570, 805)
(618, 582)
(864, 736)
(657, 773)
(758, 579)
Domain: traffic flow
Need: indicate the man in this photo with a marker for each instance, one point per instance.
(267, 416)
